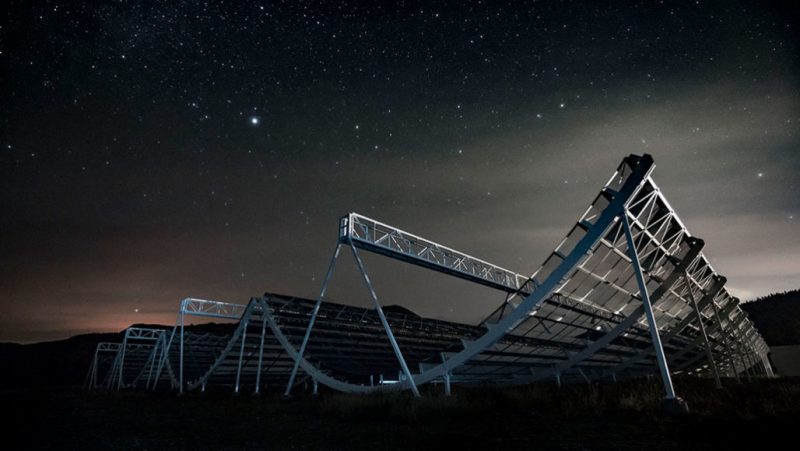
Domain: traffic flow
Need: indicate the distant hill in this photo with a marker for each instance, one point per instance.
(50, 363)
(777, 317)
(65, 362)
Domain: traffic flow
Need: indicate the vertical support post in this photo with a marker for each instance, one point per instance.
(122, 359)
(558, 380)
(767, 365)
(446, 376)
(709, 353)
(648, 309)
(241, 355)
(315, 388)
(261, 345)
(112, 373)
(311, 320)
(751, 361)
(725, 344)
(94, 376)
(741, 351)
(152, 362)
(164, 355)
(385, 323)
(92, 370)
(585, 377)
(180, 371)
(614, 377)
(745, 366)
(160, 343)
(759, 364)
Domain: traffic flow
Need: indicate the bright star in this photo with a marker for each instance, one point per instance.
(254, 120)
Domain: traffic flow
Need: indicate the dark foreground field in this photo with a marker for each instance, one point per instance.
(613, 416)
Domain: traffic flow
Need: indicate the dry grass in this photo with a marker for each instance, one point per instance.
(627, 415)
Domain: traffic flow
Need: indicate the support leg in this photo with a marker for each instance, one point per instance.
(113, 373)
(180, 371)
(164, 356)
(92, 370)
(751, 361)
(241, 355)
(122, 360)
(673, 402)
(311, 320)
(261, 347)
(725, 344)
(742, 353)
(385, 323)
(446, 376)
(585, 378)
(709, 354)
(767, 365)
(153, 362)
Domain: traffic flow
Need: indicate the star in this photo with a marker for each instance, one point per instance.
(254, 121)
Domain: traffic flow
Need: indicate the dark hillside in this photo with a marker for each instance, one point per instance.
(777, 317)
(64, 362)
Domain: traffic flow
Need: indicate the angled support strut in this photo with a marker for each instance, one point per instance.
(386, 327)
(648, 308)
(313, 318)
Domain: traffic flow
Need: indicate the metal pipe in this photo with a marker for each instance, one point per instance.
(724, 336)
(122, 359)
(164, 356)
(311, 320)
(702, 330)
(648, 309)
(152, 360)
(241, 354)
(385, 323)
(261, 346)
(180, 379)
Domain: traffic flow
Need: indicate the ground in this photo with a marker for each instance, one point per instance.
(583, 417)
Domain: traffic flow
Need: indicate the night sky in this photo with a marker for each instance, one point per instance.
(157, 150)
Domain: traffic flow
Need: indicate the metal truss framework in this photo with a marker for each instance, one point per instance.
(628, 292)
(129, 363)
